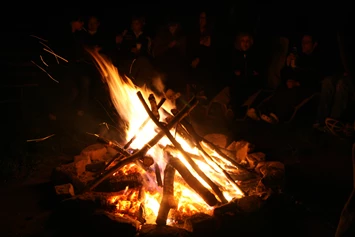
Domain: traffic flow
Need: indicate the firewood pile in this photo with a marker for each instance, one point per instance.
(104, 188)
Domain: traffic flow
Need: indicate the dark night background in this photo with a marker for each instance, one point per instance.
(321, 177)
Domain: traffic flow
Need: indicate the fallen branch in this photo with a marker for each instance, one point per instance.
(214, 187)
(141, 153)
(168, 202)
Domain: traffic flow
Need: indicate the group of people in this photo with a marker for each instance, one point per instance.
(188, 63)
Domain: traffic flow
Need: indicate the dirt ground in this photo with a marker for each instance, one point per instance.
(318, 168)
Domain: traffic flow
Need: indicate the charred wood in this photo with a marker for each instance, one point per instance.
(158, 175)
(168, 201)
(154, 106)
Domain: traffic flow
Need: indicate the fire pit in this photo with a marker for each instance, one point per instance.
(166, 174)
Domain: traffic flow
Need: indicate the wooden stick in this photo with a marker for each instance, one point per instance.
(190, 129)
(193, 182)
(214, 187)
(168, 202)
(161, 102)
(123, 151)
(212, 159)
(153, 106)
(158, 175)
(132, 158)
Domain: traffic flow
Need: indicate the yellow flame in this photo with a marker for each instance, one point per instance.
(123, 94)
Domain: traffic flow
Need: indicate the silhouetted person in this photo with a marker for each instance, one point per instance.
(301, 78)
(337, 98)
(202, 57)
(169, 50)
(245, 72)
(75, 84)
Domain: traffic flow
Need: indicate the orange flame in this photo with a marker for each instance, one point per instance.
(124, 97)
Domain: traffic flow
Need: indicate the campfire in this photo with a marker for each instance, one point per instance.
(166, 171)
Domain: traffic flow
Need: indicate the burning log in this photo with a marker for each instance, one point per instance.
(198, 139)
(168, 200)
(154, 106)
(228, 176)
(183, 113)
(123, 152)
(161, 102)
(173, 150)
(158, 175)
(205, 194)
(214, 187)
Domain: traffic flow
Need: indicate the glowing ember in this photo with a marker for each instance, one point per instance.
(124, 97)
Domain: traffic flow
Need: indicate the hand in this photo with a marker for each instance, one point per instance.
(195, 62)
(290, 61)
(237, 73)
(134, 50)
(346, 74)
(255, 73)
(124, 32)
(292, 83)
(172, 44)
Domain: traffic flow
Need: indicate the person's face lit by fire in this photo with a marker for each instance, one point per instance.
(93, 24)
(203, 20)
(137, 26)
(245, 42)
(173, 28)
(308, 45)
(77, 25)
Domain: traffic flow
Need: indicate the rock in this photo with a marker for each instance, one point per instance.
(80, 163)
(263, 191)
(254, 158)
(263, 167)
(201, 224)
(249, 186)
(163, 231)
(64, 191)
(242, 149)
(250, 204)
(120, 182)
(67, 173)
(91, 214)
(231, 147)
(240, 207)
(104, 223)
(95, 167)
(89, 202)
(217, 139)
(96, 152)
(273, 173)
